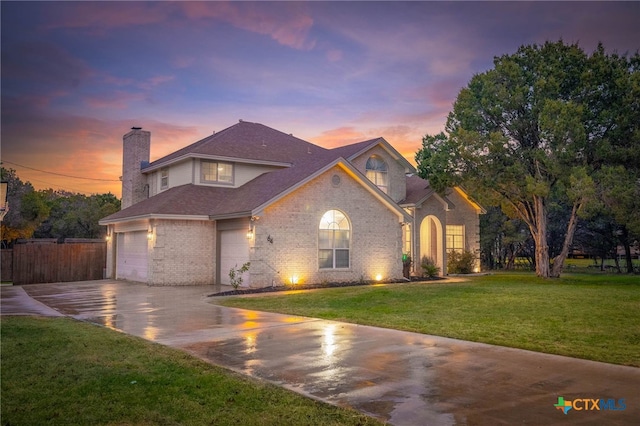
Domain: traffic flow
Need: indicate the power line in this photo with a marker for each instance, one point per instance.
(60, 174)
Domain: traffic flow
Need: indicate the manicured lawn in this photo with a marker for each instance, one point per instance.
(64, 372)
(590, 316)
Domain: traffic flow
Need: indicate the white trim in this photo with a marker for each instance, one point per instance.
(154, 216)
(390, 150)
(354, 173)
(181, 158)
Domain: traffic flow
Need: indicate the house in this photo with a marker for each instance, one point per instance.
(297, 212)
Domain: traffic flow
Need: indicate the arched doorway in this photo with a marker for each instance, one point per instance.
(431, 241)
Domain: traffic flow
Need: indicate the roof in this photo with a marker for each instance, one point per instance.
(223, 202)
(352, 151)
(249, 142)
(245, 141)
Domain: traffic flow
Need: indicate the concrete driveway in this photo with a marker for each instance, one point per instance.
(402, 378)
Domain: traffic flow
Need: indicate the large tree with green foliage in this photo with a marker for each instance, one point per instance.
(537, 129)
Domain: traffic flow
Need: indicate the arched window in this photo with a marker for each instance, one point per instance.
(333, 240)
(377, 173)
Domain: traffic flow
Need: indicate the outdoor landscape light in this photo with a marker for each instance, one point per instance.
(378, 277)
(294, 279)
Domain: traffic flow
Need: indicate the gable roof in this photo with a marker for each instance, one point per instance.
(419, 190)
(244, 142)
(354, 150)
(206, 202)
(258, 144)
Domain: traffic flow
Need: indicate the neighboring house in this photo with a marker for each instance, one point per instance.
(299, 213)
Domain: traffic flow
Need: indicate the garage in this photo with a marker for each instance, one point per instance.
(132, 253)
(234, 252)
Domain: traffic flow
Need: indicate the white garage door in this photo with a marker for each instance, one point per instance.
(131, 261)
(234, 252)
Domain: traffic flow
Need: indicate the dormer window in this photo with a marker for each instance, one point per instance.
(216, 172)
(164, 178)
(377, 172)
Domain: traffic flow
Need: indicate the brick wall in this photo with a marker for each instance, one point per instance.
(286, 235)
(396, 173)
(136, 147)
(182, 253)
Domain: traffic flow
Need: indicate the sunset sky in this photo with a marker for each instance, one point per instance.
(76, 76)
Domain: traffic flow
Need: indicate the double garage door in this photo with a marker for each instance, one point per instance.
(132, 256)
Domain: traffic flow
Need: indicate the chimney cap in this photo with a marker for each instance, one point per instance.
(136, 128)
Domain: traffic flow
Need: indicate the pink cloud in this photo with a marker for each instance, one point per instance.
(100, 16)
(289, 25)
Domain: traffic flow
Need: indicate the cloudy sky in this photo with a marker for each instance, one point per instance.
(76, 76)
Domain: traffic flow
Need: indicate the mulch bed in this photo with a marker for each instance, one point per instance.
(313, 286)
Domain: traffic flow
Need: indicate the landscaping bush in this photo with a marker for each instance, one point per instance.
(429, 268)
(460, 262)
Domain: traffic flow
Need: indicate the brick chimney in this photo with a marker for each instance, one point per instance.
(136, 148)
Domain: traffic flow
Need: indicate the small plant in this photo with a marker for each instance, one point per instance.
(429, 268)
(235, 275)
(460, 262)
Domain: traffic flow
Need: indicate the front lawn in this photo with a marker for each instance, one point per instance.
(64, 372)
(586, 316)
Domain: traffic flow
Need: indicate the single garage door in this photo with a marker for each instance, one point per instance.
(131, 257)
(234, 252)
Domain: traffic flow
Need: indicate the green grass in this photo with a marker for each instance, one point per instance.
(590, 316)
(63, 372)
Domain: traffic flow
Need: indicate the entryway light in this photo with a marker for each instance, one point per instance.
(250, 234)
(150, 234)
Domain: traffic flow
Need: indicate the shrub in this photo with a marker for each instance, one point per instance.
(460, 262)
(429, 268)
(235, 275)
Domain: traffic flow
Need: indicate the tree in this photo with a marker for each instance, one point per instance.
(76, 215)
(27, 208)
(534, 130)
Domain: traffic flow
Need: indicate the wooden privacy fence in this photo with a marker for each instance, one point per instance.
(47, 261)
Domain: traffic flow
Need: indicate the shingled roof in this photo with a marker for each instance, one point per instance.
(245, 141)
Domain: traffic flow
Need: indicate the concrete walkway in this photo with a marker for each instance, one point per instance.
(402, 378)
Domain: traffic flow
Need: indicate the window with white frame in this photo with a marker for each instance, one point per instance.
(213, 171)
(333, 240)
(164, 178)
(377, 172)
(406, 241)
(455, 238)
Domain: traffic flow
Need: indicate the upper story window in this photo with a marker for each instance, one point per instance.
(455, 238)
(333, 240)
(164, 178)
(377, 173)
(213, 171)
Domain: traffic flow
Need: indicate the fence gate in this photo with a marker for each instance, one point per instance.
(47, 261)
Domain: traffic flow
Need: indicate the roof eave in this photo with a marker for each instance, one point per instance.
(153, 167)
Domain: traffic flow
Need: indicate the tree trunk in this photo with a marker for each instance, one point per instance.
(540, 237)
(558, 261)
(624, 239)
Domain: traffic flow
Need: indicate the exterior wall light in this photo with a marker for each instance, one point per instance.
(250, 233)
(150, 234)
